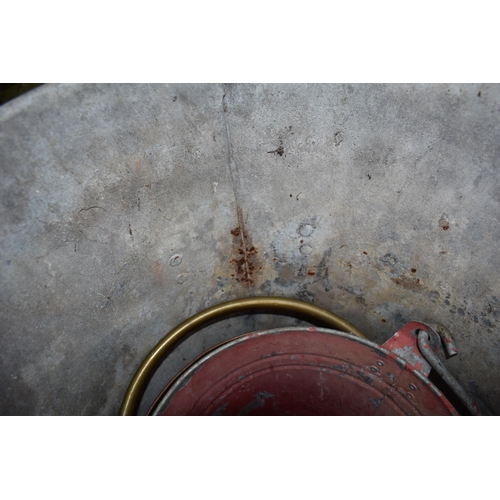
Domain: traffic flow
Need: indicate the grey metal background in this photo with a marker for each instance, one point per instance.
(378, 202)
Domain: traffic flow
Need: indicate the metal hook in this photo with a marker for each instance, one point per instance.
(427, 342)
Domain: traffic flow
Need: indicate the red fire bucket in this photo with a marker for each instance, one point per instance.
(303, 371)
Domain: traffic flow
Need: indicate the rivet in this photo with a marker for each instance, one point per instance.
(176, 259)
(306, 230)
(306, 249)
(379, 363)
(412, 387)
(373, 369)
(182, 278)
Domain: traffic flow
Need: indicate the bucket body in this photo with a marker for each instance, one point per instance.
(300, 371)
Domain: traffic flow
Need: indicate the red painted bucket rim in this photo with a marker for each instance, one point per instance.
(185, 375)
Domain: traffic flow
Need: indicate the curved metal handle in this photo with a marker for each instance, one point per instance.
(280, 305)
(428, 343)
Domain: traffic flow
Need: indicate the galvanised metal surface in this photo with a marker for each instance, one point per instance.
(302, 371)
(125, 209)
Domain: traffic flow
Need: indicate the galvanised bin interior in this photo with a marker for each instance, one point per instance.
(125, 209)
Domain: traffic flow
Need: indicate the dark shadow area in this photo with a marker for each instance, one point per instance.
(436, 379)
(9, 91)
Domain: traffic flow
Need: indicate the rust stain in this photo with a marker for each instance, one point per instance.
(408, 282)
(244, 253)
(286, 272)
(138, 170)
(444, 222)
(158, 273)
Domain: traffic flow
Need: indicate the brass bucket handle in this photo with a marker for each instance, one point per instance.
(278, 305)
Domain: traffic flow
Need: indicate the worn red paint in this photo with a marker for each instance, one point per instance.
(405, 343)
(303, 372)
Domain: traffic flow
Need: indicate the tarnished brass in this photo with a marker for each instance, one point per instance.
(277, 305)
